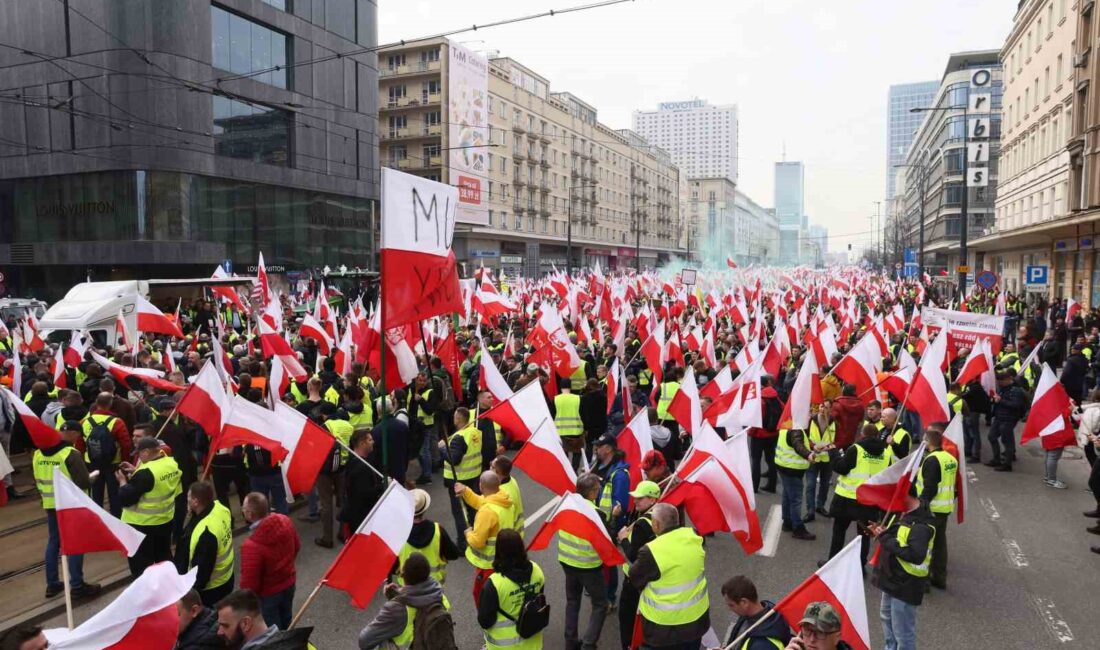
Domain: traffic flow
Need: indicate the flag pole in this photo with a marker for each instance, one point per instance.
(68, 590)
(171, 415)
(745, 634)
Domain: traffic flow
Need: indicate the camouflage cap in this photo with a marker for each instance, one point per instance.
(822, 617)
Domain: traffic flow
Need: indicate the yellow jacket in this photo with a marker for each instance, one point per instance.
(830, 388)
(486, 523)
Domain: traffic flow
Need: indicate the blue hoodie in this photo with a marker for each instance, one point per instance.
(774, 628)
(620, 487)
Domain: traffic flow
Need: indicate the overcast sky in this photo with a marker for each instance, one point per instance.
(813, 76)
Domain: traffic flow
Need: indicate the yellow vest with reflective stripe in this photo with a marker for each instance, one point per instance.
(404, 640)
(605, 504)
(579, 378)
(510, 596)
(431, 552)
(944, 500)
(511, 488)
(483, 558)
(98, 418)
(427, 419)
(43, 472)
(332, 396)
(918, 570)
(567, 418)
(817, 437)
(157, 506)
(341, 430)
(679, 596)
(577, 552)
(469, 466)
(220, 524)
(786, 456)
(364, 420)
(867, 465)
(955, 402)
(664, 397)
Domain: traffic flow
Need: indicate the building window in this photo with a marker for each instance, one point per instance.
(278, 4)
(490, 213)
(241, 46)
(252, 132)
(430, 55)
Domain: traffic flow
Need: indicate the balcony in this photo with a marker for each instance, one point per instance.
(430, 98)
(545, 137)
(544, 163)
(519, 153)
(517, 207)
(544, 210)
(435, 161)
(399, 163)
(574, 173)
(533, 135)
(518, 128)
(517, 180)
(396, 134)
(419, 67)
(544, 186)
(433, 129)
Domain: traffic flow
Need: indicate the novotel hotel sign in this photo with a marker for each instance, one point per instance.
(681, 106)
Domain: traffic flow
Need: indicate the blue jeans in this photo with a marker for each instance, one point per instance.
(278, 608)
(972, 438)
(107, 476)
(271, 486)
(818, 477)
(899, 623)
(426, 452)
(314, 503)
(1052, 458)
(792, 499)
(53, 554)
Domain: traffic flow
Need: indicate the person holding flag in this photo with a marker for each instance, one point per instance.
(936, 489)
(494, 514)
(583, 569)
(902, 569)
(632, 538)
(859, 462)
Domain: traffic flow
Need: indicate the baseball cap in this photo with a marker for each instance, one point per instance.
(822, 617)
(605, 439)
(647, 489)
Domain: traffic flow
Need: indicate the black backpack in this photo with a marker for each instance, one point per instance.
(433, 628)
(101, 443)
(534, 613)
(773, 411)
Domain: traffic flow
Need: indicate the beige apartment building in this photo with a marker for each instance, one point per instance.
(1032, 203)
(558, 184)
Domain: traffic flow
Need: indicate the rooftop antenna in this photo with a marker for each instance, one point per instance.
(784, 151)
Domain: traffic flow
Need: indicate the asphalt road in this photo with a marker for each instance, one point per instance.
(1020, 571)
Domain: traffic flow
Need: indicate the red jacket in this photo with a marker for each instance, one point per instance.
(267, 556)
(847, 412)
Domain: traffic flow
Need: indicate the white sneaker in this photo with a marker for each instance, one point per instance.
(1055, 484)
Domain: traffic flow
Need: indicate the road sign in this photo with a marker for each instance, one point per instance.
(227, 266)
(687, 276)
(962, 269)
(987, 280)
(1037, 275)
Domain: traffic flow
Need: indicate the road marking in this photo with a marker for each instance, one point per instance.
(1015, 554)
(990, 509)
(1057, 627)
(531, 519)
(772, 527)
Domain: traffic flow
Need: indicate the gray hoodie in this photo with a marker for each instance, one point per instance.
(393, 617)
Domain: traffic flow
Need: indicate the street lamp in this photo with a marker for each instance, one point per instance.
(569, 225)
(964, 221)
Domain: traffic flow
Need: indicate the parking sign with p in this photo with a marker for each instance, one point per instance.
(1037, 275)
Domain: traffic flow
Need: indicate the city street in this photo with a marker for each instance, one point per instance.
(1020, 570)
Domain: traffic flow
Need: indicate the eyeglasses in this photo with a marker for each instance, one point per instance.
(808, 633)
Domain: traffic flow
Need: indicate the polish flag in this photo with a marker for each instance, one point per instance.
(1072, 308)
(262, 282)
(154, 378)
(491, 304)
(251, 424)
(928, 392)
(578, 516)
(707, 351)
(490, 378)
(85, 527)
(57, 369)
(653, 350)
(976, 364)
(123, 332)
(953, 443)
(521, 413)
(143, 617)
(886, 490)
(419, 274)
(277, 382)
(205, 401)
(722, 383)
(1029, 360)
(613, 381)
(307, 448)
(897, 384)
(549, 332)
(543, 459)
(42, 435)
(366, 559)
(805, 393)
(310, 328)
(151, 319)
(730, 263)
(685, 407)
(274, 345)
(74, 354)
(839, 583)
(636, 440)
(1048, 419)
(227, 293)
(860, 367)
(343, 355)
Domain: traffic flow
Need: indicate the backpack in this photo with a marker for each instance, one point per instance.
(433, 629)
(446, 394)
(101, 443)
(773, 411)
(534, 614)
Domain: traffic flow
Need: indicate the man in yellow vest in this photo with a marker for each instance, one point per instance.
(936, 488)
(902, 571)
(207, 543)
(860, 461)
(898, 437)
(502, 466)
(429, 539)
(462, 466)
(392, 626)
(584, 573)
(792, 459)
(567, 419)
(821, 438)
(670, 573)
(494, 514)
(742, 599)
(422, 407)
(147, 493)
(65, 458)
(330, 481)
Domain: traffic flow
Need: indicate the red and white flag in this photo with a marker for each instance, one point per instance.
(730, 263)
(928, 392)
(636, 440)
(860, 367)
(154, 378)
(685, 406)
(85, 527)
(953, 443)
(57, 369)
(274, 345)
(491, 304)
(307, 448)
(578, 516)
(366, 559)
(74, 354)
(549, 332)
(419, 275)
(1072, 309)
(543, 459)
(521, 413)
(886, 490)
(839, 583)
(490, 378)
(122, 332)
(206, 401)
(151, 319)
(310, 328)
(614, 379)
(42, 435)
(227, 293)
(976, 364)
(1049, 416)
(252, 424)
(805, 393)
(143, 617)
(898, 382)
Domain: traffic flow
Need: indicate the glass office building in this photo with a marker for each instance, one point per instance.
(902, 124)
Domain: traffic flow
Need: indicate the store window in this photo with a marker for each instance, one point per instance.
(242, 46)
(252, 132)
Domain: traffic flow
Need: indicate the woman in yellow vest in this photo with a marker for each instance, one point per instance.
(514, 580)
(207, 543)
